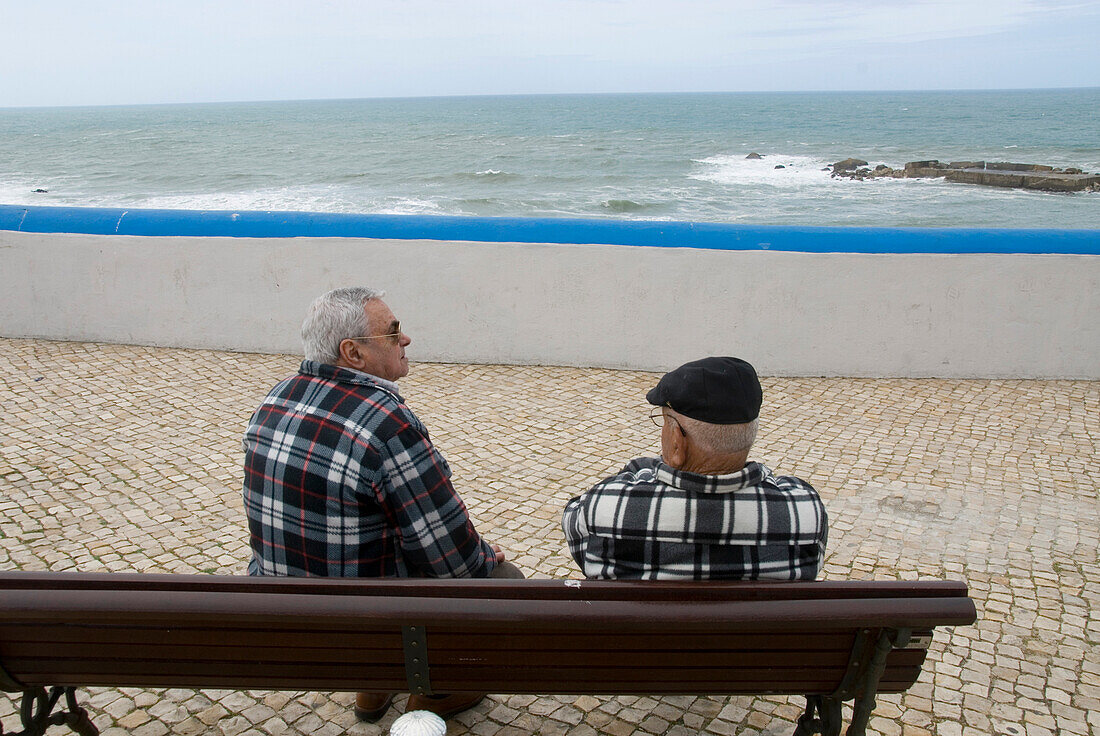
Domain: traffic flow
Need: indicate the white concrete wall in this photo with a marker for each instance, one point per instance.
(1014, 316)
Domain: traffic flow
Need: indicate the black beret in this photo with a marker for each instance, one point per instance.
(712, 390)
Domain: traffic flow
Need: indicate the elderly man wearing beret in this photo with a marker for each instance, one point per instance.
(702, 510)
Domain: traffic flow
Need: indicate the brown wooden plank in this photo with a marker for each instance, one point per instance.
(482, 589)
(25, 669)
(656, 658)
(61, 634)
(497, 679)
(899, 679)
(540, 682)
(544, 687)
(446, 639)
(632, 652)
(516, 666)
(661, 660)
(303, 648)
(13, 651)
(272, 611)
(306, 682)
(905, 657)
(656, 687)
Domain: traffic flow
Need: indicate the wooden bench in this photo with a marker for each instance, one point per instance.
(829, 641)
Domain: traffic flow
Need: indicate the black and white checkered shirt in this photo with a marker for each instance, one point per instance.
(653, 522)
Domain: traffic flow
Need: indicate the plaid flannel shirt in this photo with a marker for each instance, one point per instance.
(653, 522)
(341, 480)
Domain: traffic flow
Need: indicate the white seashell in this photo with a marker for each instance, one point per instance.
(419, 723)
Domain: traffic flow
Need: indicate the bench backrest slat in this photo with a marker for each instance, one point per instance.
(488, 589)
(335, 611)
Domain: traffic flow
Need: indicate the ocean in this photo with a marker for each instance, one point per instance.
(652, 156)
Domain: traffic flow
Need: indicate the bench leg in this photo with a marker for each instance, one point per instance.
(865, 699)
(865, 688)
(36, 713)
(826, 722)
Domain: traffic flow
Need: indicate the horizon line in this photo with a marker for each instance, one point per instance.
(551, 94)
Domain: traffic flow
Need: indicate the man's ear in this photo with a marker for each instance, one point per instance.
(349, 353)
(677, 450)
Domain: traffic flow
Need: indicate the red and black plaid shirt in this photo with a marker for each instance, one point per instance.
(342, 480)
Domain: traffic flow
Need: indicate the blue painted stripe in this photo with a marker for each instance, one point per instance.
(716, 236)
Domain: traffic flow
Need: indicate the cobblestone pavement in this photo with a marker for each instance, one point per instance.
(128, 458)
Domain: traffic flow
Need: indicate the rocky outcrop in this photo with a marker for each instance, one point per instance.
(921, 169)
(994, 174)
(848, 164)
(1016, 167)
(1043, 180)
(754, 156)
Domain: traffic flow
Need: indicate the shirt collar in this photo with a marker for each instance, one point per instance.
(753, 474)
(348, 375)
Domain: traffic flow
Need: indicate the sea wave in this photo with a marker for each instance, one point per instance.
(304, 198)
(485, 176)
(407, 206)
(624, 206)
(778, 170)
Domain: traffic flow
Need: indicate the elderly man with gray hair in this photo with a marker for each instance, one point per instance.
(701, 510)
(341, 478)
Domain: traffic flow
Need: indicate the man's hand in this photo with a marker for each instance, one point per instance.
(499, 552)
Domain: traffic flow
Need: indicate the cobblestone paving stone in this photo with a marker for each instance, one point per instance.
(123, 458)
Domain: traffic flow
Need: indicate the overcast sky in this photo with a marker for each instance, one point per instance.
(101, 52)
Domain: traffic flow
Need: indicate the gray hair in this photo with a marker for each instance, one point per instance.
(333, 318)
(719, 439)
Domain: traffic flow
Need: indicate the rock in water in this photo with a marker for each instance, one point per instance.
(754, 155)
(39, 191)
(780, 166)
(848, 164)
(922, 169)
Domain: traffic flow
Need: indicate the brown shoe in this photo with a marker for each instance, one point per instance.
(444, 706)
(369, 707)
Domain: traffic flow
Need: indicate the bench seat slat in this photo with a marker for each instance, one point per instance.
(15, 653)
(182, 673)
(441, 639)
(547, 685)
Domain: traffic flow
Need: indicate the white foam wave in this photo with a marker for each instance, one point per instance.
(279, 198)
(407, 206)
(735, 170)
(309, 199)
(19, 191)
